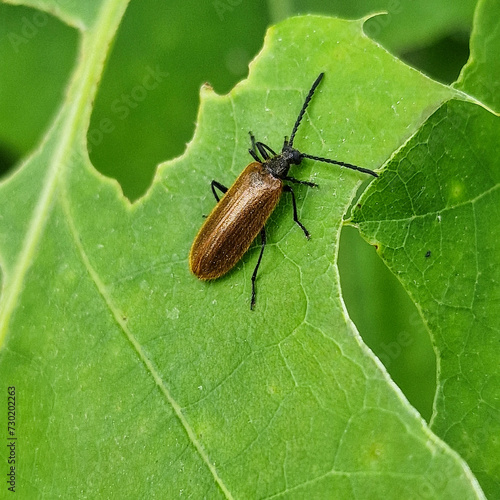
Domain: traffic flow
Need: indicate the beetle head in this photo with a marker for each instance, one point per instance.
(291, 155)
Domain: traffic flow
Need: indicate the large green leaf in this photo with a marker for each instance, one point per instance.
(134, 379)
(434, 216)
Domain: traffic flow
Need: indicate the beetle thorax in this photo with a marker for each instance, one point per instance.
(280, 164)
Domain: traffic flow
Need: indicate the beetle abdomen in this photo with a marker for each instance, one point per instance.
(234, 222)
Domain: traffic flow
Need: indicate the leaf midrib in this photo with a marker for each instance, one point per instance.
(118, 316)
(72, 120)
(72, 123)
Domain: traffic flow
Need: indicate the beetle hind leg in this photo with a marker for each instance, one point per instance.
(288, 189)
(254, 274)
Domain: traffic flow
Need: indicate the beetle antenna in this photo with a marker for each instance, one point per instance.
(341, 163)
(304, 107)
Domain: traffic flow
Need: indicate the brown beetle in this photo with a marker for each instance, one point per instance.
(242, 212)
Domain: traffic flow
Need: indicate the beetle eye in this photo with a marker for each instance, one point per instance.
(297, 157)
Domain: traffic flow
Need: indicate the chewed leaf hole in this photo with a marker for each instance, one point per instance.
(387, 320)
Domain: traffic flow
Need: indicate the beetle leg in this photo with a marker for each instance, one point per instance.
(220, 187)
(253, 149)
(252, 138)
(254, 275)
(267, 147)
(288, 189)
(254, 155)
(296, 181)
(262, 150)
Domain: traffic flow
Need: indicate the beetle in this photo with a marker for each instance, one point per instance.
(242, 212)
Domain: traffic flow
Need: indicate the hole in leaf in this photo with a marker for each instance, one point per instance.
(442, 60)
(146, 106)
(387, 320)
(38, 52)
(7, 159)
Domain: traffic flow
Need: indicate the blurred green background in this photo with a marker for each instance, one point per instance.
(145, 113)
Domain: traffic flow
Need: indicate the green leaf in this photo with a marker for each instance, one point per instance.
(134, 379)
(481, 76)
(434, 217)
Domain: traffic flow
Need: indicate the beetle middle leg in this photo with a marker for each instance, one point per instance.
(288, 189)
(220, 187)
(254, 275)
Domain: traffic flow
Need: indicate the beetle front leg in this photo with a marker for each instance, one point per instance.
(253, 149)
(288, 189)
(305, 183)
